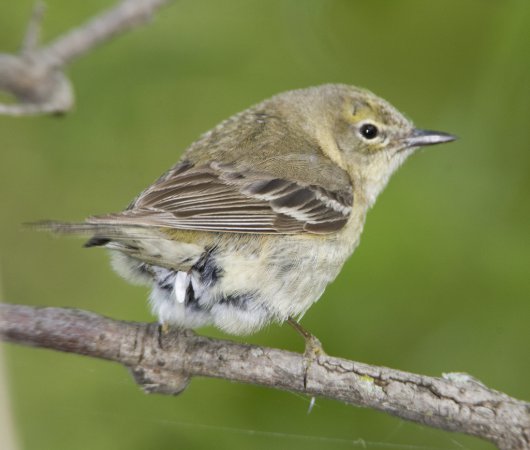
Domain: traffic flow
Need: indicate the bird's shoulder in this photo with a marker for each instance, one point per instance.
(265, 140)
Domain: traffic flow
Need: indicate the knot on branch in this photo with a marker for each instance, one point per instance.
(160, 381)
(157, 369)
(35, 76)
(37, 85)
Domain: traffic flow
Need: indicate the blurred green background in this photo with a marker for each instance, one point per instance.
(440, 282)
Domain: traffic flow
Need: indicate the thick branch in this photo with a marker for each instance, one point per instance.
(36, 76)
(164, 363)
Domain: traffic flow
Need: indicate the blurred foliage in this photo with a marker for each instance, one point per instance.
(440, 283)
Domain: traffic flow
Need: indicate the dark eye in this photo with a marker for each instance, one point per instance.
(369, 131)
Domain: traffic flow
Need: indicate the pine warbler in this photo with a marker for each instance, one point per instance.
(261, 212)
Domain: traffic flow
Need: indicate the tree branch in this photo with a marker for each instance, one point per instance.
(164, 363)
(36, 76)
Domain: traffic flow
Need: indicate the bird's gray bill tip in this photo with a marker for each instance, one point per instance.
(419, 138)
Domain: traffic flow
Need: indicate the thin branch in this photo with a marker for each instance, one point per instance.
(165, 363)
(36, 76)
(32, 37)
(125, 16)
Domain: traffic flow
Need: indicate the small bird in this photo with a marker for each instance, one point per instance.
(260, 213)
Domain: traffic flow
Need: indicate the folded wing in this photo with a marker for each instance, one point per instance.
(218, 197)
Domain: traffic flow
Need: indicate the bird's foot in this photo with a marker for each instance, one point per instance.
(313, 347)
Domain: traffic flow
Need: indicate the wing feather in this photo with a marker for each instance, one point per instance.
(217, 197)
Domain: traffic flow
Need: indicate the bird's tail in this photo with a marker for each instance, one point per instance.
(100, 233)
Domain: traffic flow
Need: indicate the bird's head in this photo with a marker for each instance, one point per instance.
(364, 134)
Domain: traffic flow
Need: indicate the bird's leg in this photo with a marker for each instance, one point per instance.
(313, 347)
(163, 330)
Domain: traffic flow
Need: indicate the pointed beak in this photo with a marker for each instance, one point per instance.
(419, 138)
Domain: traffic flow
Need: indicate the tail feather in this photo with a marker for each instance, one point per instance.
(57, 227)
(100, 232)
(148, 244)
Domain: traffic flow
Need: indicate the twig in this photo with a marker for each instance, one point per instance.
(164, 363)
(36, 76)
(32, 37)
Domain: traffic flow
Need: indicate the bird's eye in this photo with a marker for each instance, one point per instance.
(369, 131)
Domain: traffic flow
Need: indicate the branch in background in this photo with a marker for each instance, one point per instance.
(36, 76)
(165, 363)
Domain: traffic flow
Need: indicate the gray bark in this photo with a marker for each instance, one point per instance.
(165, 363)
